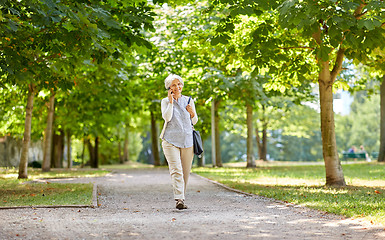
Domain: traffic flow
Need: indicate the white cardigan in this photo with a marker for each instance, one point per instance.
(167, 111)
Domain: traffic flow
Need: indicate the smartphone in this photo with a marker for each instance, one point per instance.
(171, 91)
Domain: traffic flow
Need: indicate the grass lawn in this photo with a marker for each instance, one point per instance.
(18, 192)
(364, 197)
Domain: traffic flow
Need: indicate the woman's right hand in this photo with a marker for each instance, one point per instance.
(170, 96)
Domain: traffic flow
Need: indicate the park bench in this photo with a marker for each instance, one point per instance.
(347, 155)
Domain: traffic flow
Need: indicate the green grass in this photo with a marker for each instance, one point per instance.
(364, 197)
(20, 192)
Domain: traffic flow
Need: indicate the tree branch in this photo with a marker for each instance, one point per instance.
(358, 12)
(338, 64)
(303, 47)
(317, 36)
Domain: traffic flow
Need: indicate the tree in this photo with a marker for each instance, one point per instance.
(49, 134)
(39, 40)
(330, 31)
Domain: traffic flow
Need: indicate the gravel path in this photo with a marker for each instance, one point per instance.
(138, 204)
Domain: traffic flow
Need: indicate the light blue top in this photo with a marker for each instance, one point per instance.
(178, 128)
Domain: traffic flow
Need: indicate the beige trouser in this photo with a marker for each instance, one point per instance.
(179, 163)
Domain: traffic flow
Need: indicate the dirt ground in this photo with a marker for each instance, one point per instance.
(138, 204)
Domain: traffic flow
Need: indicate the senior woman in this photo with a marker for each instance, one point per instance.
(178, 112)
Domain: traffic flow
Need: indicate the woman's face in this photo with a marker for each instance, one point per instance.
(176, 87)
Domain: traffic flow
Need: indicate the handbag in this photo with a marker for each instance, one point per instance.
(197, 140)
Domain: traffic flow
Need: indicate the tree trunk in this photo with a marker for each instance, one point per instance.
(213, 158)
(218, 156)
(57, 150)
(334, 173)
(381, 153)
(154, 140)
(91, 151)
(120, 152)
(126, 156)
(326, 79)
(46, 166)
(264, 140)
(96, 154)
(120, 155)
(259, 143)
(69, 160)
(23, 165)
(83, 150)
(262, 143)
(250, 149)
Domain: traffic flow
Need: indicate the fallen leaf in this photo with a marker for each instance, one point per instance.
(173, 219)
(32, 195)
(199, 191)
(376, 191)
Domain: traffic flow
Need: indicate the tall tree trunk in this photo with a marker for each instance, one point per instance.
(120, 155)
(262, 143)
(46, 166)
(259, 143)
(250, 149)
(218, 156)
(381, 153)
(69, 160)
(120, 152)
(334, 173)
(83, 150)
(213, 157)
(264, 140)
(93, 151)
(126, 156)
(154, 140)
(326, 79)
(57, 150)
(23, 165)
(96, 153)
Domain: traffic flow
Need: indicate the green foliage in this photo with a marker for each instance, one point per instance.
(351, 25)
(360, 127)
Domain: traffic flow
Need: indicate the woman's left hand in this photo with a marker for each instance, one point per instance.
(190, 110)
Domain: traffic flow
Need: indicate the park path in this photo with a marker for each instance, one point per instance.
(138, 204)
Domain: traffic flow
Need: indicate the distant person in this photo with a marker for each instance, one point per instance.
(353, 149)
(362, 150)
(179, 114)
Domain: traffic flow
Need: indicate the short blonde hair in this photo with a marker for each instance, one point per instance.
(170, 78)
